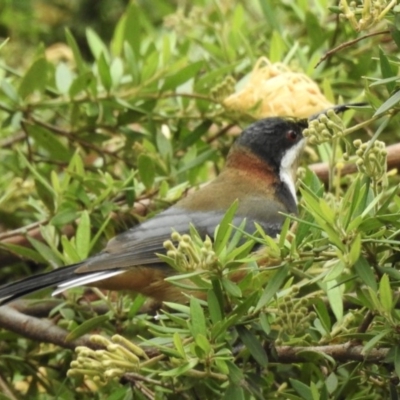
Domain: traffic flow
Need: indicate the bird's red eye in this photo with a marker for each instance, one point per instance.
(291, 135)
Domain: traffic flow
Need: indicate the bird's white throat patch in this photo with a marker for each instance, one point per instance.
(286, 170)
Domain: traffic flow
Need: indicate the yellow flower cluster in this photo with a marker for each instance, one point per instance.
(274, 90)
(118, 356)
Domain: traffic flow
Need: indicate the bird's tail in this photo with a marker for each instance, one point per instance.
(37, 282)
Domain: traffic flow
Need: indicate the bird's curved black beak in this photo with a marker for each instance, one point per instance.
(338, 109)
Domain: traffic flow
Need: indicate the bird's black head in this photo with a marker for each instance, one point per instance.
(278, 141)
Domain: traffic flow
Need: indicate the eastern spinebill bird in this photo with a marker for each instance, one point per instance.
(259, 173)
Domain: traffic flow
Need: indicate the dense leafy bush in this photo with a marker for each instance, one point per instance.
(90, 147)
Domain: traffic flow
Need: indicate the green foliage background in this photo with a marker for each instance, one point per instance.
(136, 116)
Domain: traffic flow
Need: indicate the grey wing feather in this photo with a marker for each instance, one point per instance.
(139, 245)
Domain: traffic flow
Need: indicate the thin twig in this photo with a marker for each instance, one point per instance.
(334, 36)
(143, 389)
(339, 352)
(41, 309)
(72, 136)
(42, 330)
(393, 161)
(133, 377)
(5, 389)
(23, 230)
(348, 44)
(9, 141)
(366, 322)
(220, 133)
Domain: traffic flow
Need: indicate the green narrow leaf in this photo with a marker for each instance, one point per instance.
(96, 45)
(385, 293)
(332, 383)
(335, 299)
(24, 252)
(284, 231)
(273, 248)
(351, 198)
(194, 135)
(99, 232)
(374, 298)
(231, 288)
(200, 159)
(183, 75)
(118, 39)
(277, 47)
(81, 83)
(384, 81)
(70, 251)
(9, 90)
(388, 104)
(268, 8)
(34, 79)
(46, 195)
(5, 41)
(64, 78)
(197, 320)
(64, 217)
(386, 70)
(265, 325)
(396, 32)
(83, 235)
(203, 343)
(179, 345)
(214, 307)
(136, 305)
(234, 392)
(175, 372)
(151, 66)
(312, 202)
(130, 192)
(397, 360)
(253, 345)
(273, 286)
(333, 234)
(49, 142)
(146, 170)
(75, 50)
(167, 47)
(132, 64)
(364, 271)
(316, 392)
(371, 344)
(303, 390)
(235, 373)
(116, 71)
(164, 145)
(323, 314)
(36, 174)
(87, 326)
(132, 28)
(336, 269)
(104, 72)
(55, 182)
(224, 229)
(45, 251)
(355, 250)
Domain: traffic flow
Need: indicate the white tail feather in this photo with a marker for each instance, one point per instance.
(85, 280)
